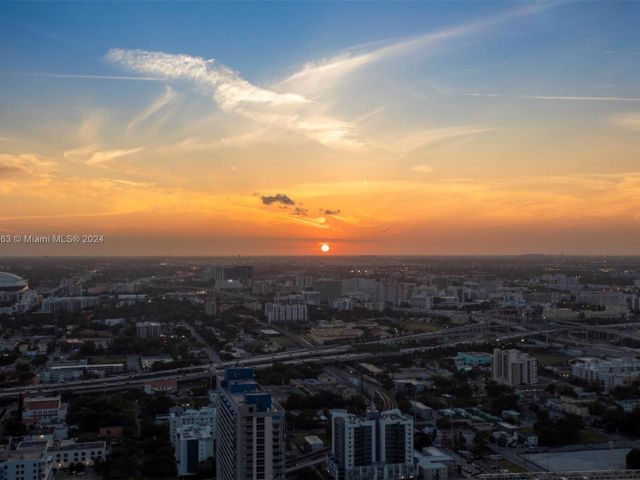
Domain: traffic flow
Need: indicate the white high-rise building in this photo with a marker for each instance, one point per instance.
(250, 428)
(378, 446)
(193, 445)
(513, 367)
(203, 417)
(285, 312)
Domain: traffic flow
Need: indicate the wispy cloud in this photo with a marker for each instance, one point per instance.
(95, 155)
(413, 141)
(234, 94)
(422, 168)
(319, 75)
(571, 98)
(629, 121)
(158, 104)
(24, 164)
(80, 76)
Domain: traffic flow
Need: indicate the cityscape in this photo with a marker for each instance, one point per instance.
(440, 368)
(319, 240)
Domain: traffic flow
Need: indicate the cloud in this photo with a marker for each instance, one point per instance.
(571, 98)
(330, 212)
(95, 155)
(24, 164)
(422, 168)
(422, 138)
(579, 98)
(629, 121)
(232, 93)
(230, 90)
(322, 74)
(300, 211)
(277, 198)
(85, 76)
(158, 104)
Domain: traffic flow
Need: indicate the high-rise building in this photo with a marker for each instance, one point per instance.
(211, 308)
(378, 446)
(304, 281)
(513, 367)
(193, 445)
(276, 312)
(250, 430)
(202, 417)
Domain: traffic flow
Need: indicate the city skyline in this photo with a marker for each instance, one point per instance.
(275, 128)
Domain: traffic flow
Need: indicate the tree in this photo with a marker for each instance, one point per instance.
(633, 459)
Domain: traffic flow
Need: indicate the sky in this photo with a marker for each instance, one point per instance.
(210, 128)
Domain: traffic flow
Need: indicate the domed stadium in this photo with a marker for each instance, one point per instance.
(12, 283)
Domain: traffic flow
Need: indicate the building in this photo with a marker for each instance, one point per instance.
(376, 446)
(513, 367)
(608, 373)
(277, 312)
(313, 443)
(67, 452)
(466, 360)
(12, 283)
(67, 304)
(304, 281)
(160, 386)
(148, 329)
(433, 464)
(203, 417)
(193, 445)
(42, 410)
(421, 411)
(211, 308)
(329, 289)
(193, 435)
(17, 465)
(240, 273)
(323, 335)
(250, 426)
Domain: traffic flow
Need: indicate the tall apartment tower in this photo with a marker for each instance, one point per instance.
(513, 367)
(250, 430)
(378, 446)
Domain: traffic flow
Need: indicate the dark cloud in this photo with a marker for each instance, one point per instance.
(300, 211)
(277, 198)
(331, 212)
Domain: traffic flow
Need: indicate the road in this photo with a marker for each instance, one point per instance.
(321, 354)
(211, 353)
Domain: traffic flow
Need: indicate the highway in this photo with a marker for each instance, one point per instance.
(321, 354)
(308, 460)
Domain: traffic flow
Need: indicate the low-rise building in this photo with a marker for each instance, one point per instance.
(41, 410)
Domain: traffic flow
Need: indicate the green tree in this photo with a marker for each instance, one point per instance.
(633, 459)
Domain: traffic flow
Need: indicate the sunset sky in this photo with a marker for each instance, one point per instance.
(272, 128)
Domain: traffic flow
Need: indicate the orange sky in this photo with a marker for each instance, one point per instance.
(446, 141)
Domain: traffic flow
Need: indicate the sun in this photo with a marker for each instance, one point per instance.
(325, 247)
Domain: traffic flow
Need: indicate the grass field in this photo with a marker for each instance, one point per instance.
(551, 359)
(589, 436)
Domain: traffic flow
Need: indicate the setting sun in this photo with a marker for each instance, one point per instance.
(325, 248)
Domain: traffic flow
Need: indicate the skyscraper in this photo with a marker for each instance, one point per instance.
(250, 429)
(513, 367)
(378, 446)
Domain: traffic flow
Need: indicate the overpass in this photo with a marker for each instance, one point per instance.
(339, 353)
